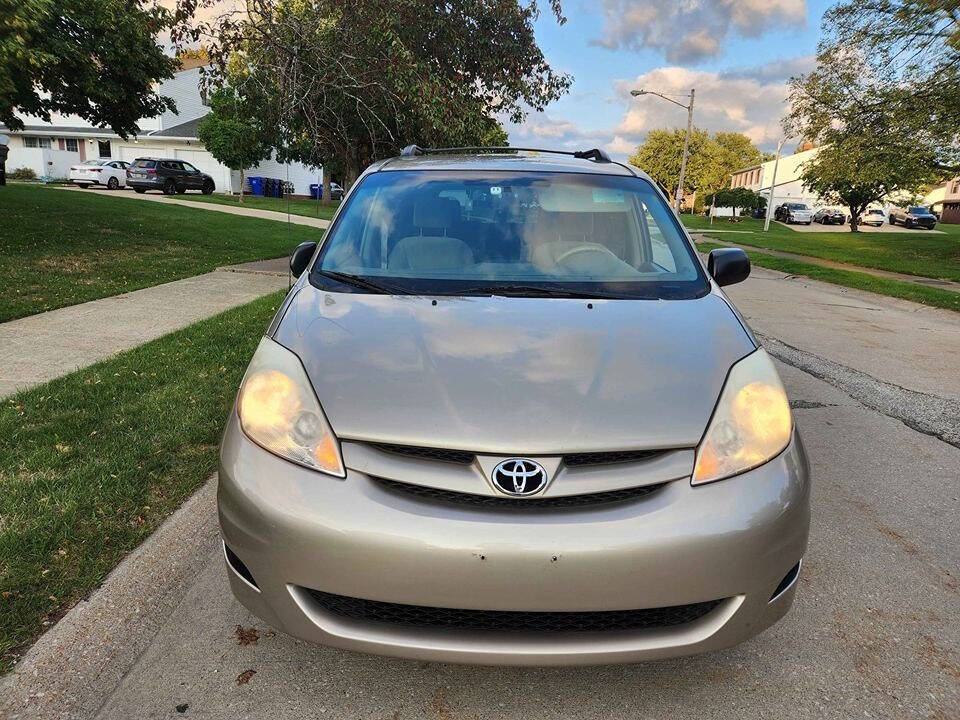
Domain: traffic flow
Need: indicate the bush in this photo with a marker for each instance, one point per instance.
(23, 173)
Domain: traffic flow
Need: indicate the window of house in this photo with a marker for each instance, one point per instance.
(104, 146)
(72, 145)
(36, 142)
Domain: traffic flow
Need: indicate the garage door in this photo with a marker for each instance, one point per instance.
(132, 153)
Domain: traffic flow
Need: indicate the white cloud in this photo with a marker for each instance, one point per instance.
(688, 31)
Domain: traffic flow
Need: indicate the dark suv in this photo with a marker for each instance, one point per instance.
(167, 174)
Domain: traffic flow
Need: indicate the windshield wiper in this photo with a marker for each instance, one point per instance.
(365, 283)
(517, 290)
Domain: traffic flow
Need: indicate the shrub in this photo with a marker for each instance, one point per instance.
(23, 173)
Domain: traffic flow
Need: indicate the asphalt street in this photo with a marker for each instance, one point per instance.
(874, 632)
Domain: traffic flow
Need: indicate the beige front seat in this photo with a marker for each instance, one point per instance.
(433, 248)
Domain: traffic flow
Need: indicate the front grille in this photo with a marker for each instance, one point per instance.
(465, 457)
(509, 620)
(493, 501)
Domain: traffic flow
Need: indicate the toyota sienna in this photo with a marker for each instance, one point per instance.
(506, 415)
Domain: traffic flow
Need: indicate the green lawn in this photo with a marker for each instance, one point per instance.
(91, 463)
(60, 247)
(295, 206)
(910, 251)
(861, 281)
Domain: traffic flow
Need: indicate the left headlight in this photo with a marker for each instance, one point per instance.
(280, 412)
(751, 424)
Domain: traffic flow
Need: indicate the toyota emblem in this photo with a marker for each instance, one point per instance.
(519, 477)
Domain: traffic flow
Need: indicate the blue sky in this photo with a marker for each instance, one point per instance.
(738, 54)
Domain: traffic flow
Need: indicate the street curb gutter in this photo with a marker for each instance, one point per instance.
(75, 666)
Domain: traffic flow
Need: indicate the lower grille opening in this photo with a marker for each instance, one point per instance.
(787, 581)
(238, 567)
(493, 501)
(508, 620)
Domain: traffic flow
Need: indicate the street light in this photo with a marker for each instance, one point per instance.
(686, 137)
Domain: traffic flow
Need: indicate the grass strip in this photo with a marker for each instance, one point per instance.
(296, 206)
(848, 278)
(91, 463)
(60, 247)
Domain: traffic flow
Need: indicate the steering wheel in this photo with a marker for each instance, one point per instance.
(586, 249)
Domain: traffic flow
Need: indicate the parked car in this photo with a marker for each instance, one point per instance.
(336, 191)
(168, 175)
(793, 212)
(915, 216)
(444, 447)
(873, 216)
(111, 174)
(830, 216)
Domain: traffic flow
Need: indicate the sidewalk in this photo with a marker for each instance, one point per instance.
(39, 348)
(246, 212)
(701, 236)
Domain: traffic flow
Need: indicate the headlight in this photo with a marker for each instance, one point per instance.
(279, 411)
(750, 425)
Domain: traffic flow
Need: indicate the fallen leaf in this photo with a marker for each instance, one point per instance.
(182, 708)
(244, 677)
(246, 636)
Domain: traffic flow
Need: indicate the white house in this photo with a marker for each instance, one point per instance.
(789, 187)
(50, 148)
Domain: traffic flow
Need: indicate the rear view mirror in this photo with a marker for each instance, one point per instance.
(300, 258)
(728, 265)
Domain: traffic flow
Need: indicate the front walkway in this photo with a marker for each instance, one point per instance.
(216, 207)
(39, 348)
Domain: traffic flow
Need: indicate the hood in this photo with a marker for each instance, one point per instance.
(515, 375)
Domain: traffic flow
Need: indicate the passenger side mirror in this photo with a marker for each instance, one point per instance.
(728, 265)
(300, 258)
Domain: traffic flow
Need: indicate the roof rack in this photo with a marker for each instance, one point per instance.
(595, 154)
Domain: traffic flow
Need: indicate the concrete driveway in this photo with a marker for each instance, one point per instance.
(874, 633)
(885, 228)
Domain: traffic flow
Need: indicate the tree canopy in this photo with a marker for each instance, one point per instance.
(233, 132)
(99, 60)
(346, 83)
(712, 159)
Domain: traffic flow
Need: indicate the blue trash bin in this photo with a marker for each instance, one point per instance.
(315, 192)
(256, 185)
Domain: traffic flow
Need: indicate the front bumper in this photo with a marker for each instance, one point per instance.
(295, 530)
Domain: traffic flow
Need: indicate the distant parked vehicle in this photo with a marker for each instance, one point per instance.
(873, 216)
(830, 216)
(111, 174)
(793, 212)
(913, 217)
(169, 175)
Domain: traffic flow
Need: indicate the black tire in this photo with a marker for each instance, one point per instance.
(113, 184)
(82, 186)
(207, 188)
(181, 190)
(170, 187)
(139, 190)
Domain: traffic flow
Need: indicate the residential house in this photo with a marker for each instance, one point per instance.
(50, 148)
(789, 187)
(945, 199)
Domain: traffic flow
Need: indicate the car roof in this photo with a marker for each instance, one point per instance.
(161, 159)
(522, 161)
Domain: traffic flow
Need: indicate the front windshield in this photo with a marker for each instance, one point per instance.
(918, 210)
(534, 233)
(797, 206)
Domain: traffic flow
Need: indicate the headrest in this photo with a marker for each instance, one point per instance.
(436, 212)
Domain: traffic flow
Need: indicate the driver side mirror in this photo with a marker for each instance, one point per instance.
(728, 265)
(300, 257)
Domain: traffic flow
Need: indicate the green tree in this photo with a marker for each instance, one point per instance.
(346, 83)
(99, 60)
(864, 157)
(711, 162)
(740, 198)
(233, 132)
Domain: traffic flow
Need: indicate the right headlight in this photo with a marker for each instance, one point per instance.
(751, 424)
(279, 411)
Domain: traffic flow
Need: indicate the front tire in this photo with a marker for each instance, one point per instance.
(207, 188)
(113, 184)
(170, 187)
(139, 190)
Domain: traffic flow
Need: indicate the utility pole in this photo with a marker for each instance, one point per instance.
(773, 185)
(686, 137)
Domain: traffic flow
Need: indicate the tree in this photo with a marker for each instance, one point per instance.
(737, 198)
(346, 83)
(99, 60)
(233, 132)
(864, 157)
(712, 159)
